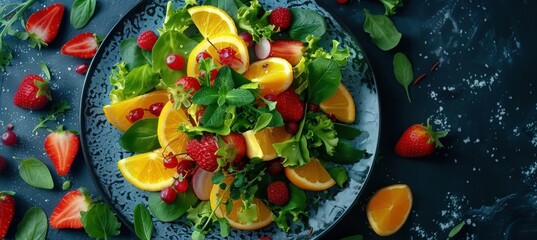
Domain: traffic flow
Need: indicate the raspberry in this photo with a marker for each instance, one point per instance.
(147, 40)
(278, 193)
(281, 18)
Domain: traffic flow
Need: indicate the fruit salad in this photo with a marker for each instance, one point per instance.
(238, 116)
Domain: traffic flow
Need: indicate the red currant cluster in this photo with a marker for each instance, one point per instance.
(185, 169)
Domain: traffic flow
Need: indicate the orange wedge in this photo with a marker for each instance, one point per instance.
(312, 176)
(389, 208)
(219, 42)
(212, 21)
(146, 171)
(341, 104)
(169, 136)
(264, 215)
(116, 113)
(260, 144)
(274, 75)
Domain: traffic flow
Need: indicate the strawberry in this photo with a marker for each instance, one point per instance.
(7, 211)
(62, 146)
(146, 40)
(289, 50)
(83, 45)
(204, 152)
(44, 24)
(278, 193)
(288, 104)
(33, 92)
(281, 18)
(236, 142)
(67, 213)
(419, 141)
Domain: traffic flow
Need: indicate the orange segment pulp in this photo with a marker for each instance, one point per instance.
(146, 171)
(274, 75)
(169, 136)
(212, 21)
(389, 208)
(116, 113)
(312, 176)
(341, 104)
(260, 144)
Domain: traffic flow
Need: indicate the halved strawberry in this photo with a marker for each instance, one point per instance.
(44, 24)
(237, 142)
(289, 50)
(83, 45)
(7, 211)
(62, 146)
(67, 212)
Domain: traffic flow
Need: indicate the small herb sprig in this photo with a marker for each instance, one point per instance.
(9, 14)
(52, 115)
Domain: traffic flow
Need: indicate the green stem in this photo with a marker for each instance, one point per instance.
(15, 17)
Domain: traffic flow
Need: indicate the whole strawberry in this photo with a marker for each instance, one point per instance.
(419, 141)
(278, 193)
(289, 105)
(204, 152)
(61, 147)
(33, 92)
(281, 18)
(7, 211)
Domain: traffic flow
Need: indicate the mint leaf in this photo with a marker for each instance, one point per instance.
(382, 31)
(224, 79)
(33, 225)
(324, 77)
(206, 65)
(339, 174)
(100, 222)
(402, 68)
(239, 97)
(213, 116)
(141, 136)
(143, 223)
(206, 96)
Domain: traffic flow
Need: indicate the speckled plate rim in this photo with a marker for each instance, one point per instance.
(97, 58)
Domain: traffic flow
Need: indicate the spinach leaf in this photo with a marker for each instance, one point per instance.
(206, 96)
(402, 68)
(35, 173)
(100, 222)
(171, 42)
(323, 79)
(346, 132)
(141, 136)
(81, 12)
(339, 174)
(33, 225)
(345, 153)
(382, 31)
(140, 80)
(171, 212)
(306, 22)
(239, 97)
(132, 55)
(143, 224)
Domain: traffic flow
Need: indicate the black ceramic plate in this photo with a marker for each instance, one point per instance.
(102, 151)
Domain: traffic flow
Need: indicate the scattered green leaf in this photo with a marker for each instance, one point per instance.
(143, 223)
(141, 136)
(81, 12)
(33, 225)
(402, 68)
(35, 173)
(455, 230)
(339, 174)
(171, 212)
(391, 6)
(56, 110)
(382, 31)
(100, 222)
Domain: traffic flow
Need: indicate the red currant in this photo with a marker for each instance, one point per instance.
(168, 195)
(9, 138)
(170, 161)
(185, 168)
(175, 61)
(135, 115)
(247, 38)
(180, 186)
(291, 127)
(156, 108)
(3, 164)
(312, 107)
(332, 117)
(82, 68)
(275, 167)
(189, 83)
(203, 55)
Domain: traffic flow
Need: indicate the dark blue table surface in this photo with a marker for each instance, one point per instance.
(483, 92)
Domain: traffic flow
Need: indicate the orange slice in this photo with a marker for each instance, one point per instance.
(388, 209)
(220, 42)
(312, 176)
(116, 113)
(264, 215)
(260, 144)
(212, 21)
(341, 104)
(169, 136)
(146, 171)
(274, 75)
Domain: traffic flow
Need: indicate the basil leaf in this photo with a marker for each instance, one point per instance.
(306, 22)
(171, 212)
(262, 122)
(140, 80)
(100, 222)
(143, 223)
(323, 79)
(382, 31)
(239, 97)
(206, 96)
(141, 136)
(339, 174)
(171, 42)
(456, 229)
(346, 132)
(33, 225)
(35, 173)
(214, 116)
(345, 153)
(131, 54)
(402, 68)
(81, 12)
